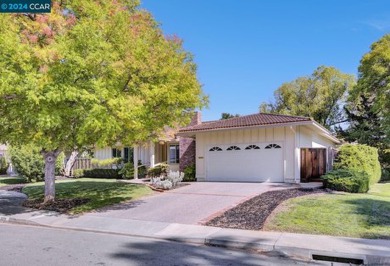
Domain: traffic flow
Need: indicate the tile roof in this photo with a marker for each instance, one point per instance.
(259, 119)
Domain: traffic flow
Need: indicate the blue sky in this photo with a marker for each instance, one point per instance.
(246, 49)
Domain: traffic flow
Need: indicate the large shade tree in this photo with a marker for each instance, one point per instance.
(369, 102)
(90, 72)
(320, 96)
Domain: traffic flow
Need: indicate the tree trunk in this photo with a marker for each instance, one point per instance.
(70, 162)
(50, 166)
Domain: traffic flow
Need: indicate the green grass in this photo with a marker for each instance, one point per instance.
(382, 190)
(100, 192)
(11, 180)
(352, 215)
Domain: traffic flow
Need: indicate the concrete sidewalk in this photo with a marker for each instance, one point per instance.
(303, 246)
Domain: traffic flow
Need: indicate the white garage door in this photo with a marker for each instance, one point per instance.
(260, 162)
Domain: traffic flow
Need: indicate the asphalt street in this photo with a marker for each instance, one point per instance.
(34, 245)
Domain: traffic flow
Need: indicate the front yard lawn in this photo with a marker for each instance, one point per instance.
(338, 214)
(10, 180)
(91, 193)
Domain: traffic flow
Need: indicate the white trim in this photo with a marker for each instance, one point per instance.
(151, 154)
(326, 132)
(135, 161)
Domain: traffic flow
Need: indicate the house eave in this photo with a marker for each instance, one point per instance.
(192, 133)
(326, 133)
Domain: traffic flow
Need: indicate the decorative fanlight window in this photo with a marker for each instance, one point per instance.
(252, 147)
(215, 149)
(233, 148)
(273, 146)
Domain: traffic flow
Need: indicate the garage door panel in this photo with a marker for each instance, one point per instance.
(255, 165)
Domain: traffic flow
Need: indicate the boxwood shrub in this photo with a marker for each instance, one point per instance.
(347, 180)
(361, 158)
(77, 173)
(101, 173)
(189, 174)
(158, 170)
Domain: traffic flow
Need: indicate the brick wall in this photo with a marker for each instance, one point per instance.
(187, 145)
(187, 153)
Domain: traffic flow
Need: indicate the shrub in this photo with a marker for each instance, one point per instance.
(127, 171)
(28, 162)
(160, 183)
(175, 177)
(3, 166)
(189, 174)
(142, 171)
(77, 173)
(347, 180)
(158, 170)
(60, 164)
(385, 175)
(102, 173)
(361, 158)
(107, 163)
(172, 179)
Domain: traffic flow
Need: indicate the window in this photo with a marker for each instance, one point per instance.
(233, 148)
(116, 153)
(128, 154)
(252, 147)
(215, 149)
(273, 146)
(174, 153)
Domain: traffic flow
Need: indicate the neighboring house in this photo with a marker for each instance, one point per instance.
(259, 148)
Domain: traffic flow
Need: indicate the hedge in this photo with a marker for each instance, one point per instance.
(361, 158)
(100, 173)
(347, 180)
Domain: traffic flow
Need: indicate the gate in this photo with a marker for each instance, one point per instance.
(313, 164)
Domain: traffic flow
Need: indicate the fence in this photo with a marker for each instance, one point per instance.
(82, 163)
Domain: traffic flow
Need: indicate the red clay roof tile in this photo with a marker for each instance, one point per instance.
(246, 121)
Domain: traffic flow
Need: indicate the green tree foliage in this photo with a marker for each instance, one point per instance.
(320, 96)
(3, 165)
(360, 158)
(228, 115)
(91, 72)
(368, 106)
(28, 162)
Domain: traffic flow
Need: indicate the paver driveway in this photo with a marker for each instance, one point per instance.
(190, 204)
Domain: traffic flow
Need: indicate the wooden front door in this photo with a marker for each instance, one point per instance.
(313, 163)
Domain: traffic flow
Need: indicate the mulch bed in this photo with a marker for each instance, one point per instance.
(59, 205)
(252, 214)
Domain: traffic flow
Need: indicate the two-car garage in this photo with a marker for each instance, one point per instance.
(250, 162)
(254, 148)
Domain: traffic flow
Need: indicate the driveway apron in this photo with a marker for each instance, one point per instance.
(191, 204)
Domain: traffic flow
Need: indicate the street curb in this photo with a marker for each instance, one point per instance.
(6, 219)
(271, 249)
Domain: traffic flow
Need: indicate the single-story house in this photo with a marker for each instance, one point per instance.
(260, 148)
(252, 148)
